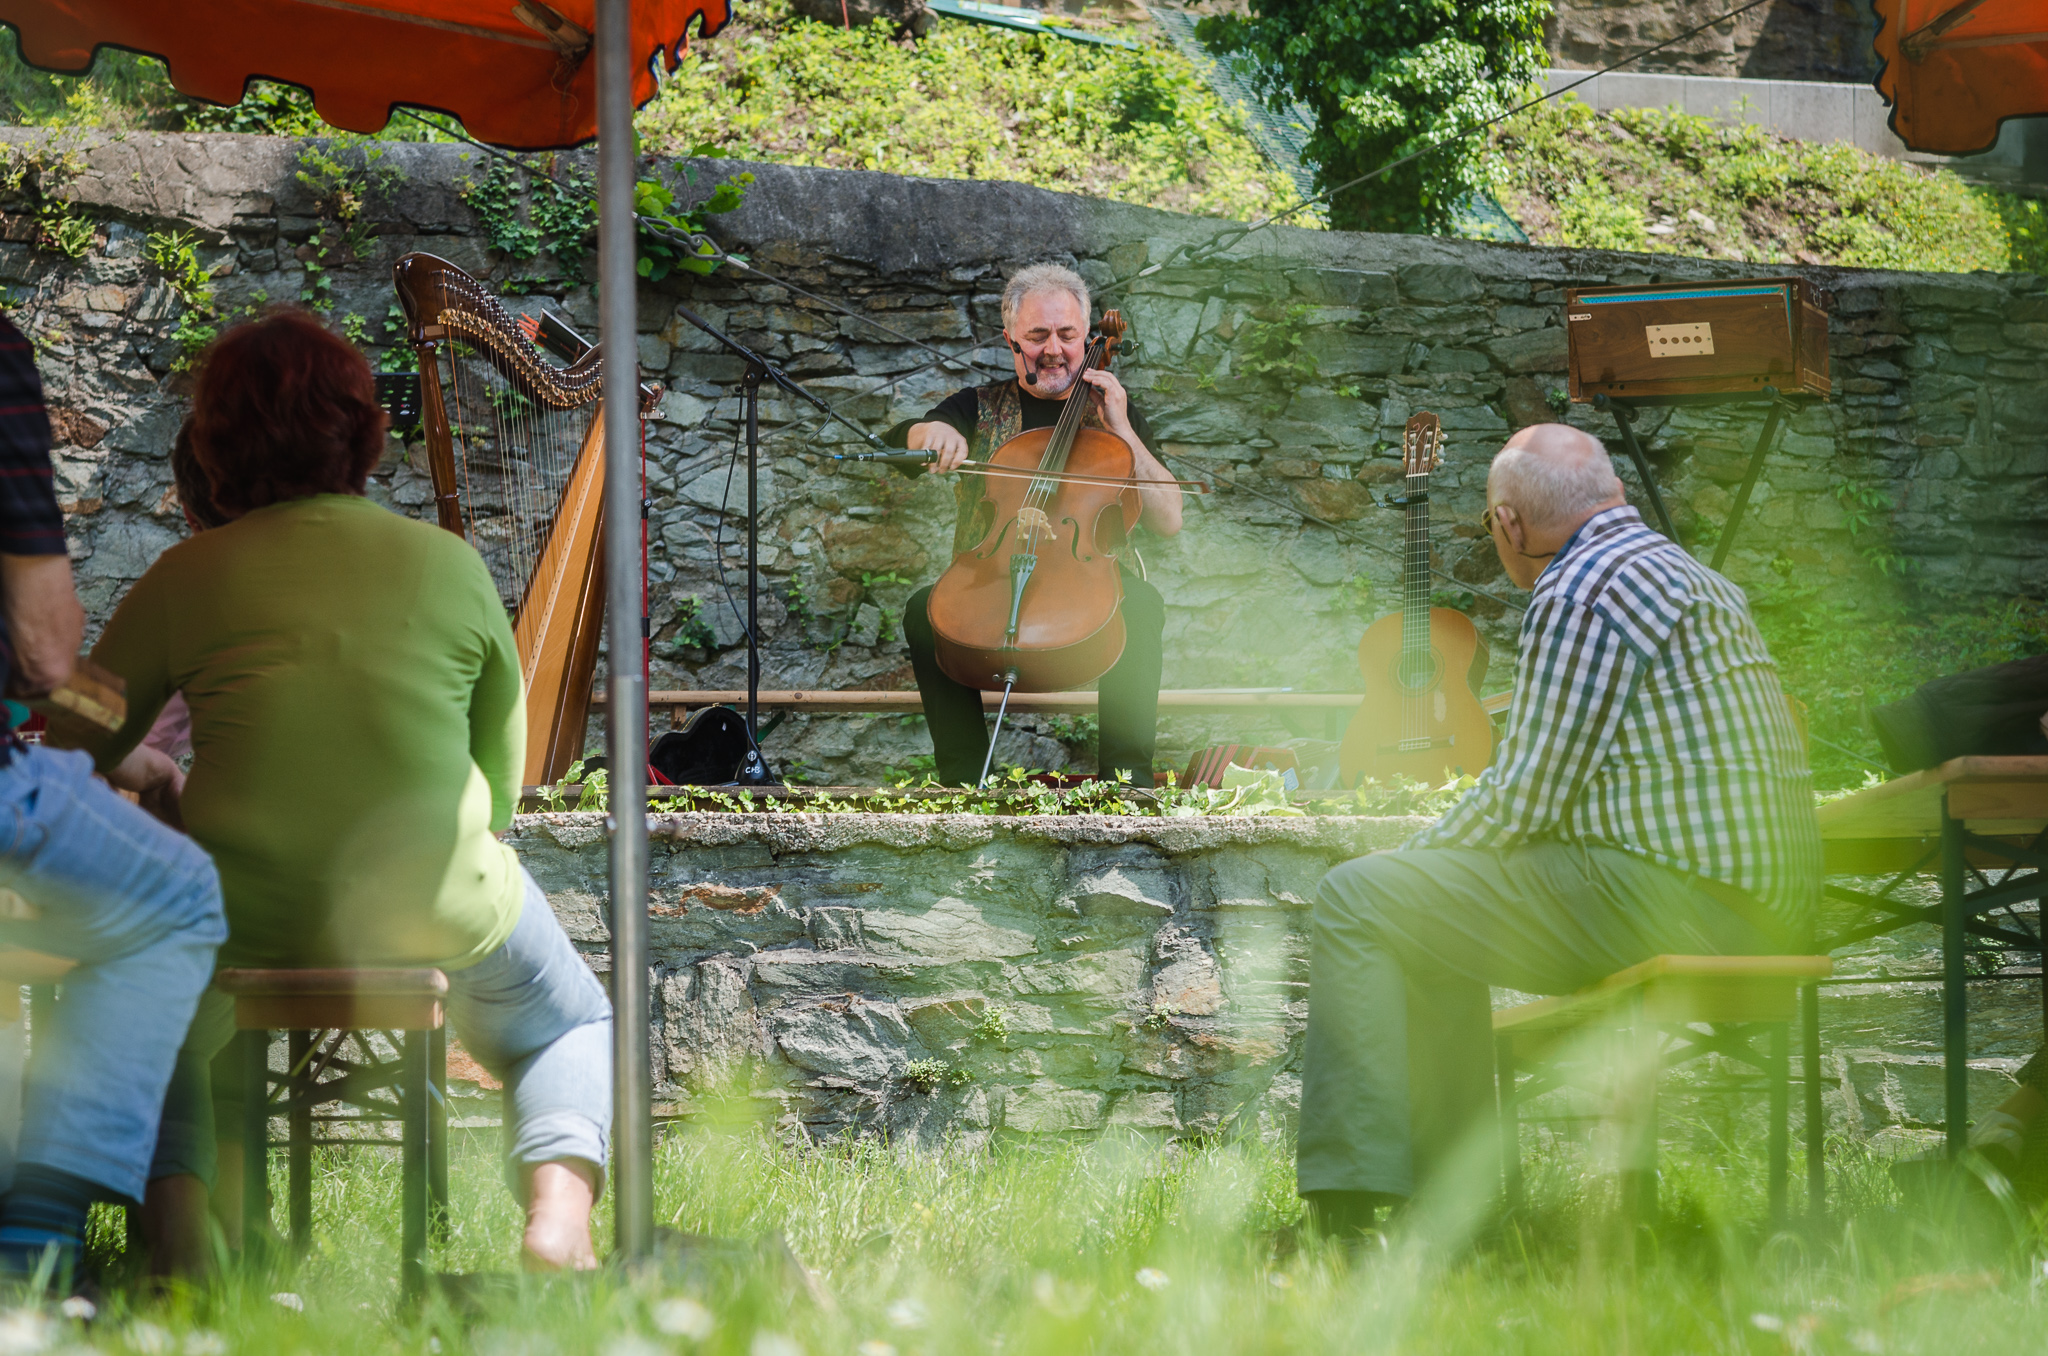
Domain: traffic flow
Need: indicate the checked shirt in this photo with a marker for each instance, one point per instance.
(1648, 718)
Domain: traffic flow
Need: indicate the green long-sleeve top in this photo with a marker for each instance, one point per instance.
(358, 730)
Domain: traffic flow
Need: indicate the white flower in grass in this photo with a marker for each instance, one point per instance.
(80, 1308)
(633, 1344)
(285, 1299)
(1279, 1280)
(204, 1343)
(1867, 1342)
(684, 1317)
(872, 1347)
(907, 1313)
(149, 1340)
(767, 1343)
(24, 1331)
(1767, 1323)
(1153, 1280)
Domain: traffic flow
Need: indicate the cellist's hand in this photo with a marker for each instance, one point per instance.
(1110, 399)
(940, 437)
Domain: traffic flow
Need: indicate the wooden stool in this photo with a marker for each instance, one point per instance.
(1651, 1014)
(321, 1009)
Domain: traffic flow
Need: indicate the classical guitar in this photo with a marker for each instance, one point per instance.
(1421, 717)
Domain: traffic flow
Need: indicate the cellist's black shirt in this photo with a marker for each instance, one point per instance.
(960, 410)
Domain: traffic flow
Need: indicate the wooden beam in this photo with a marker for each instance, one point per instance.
(882, 703)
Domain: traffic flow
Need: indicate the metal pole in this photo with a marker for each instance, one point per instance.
(626, 713)
(1756, 467)
(1955, 1009)
(753, 385)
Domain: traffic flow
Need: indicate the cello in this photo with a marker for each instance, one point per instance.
(1031, 601)
(1421, 717)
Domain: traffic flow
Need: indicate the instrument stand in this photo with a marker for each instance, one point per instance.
(988, 759)
(1624, 419)
(755, 771)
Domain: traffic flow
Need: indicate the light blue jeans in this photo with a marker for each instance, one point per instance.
(531, 1012)
(138, 907)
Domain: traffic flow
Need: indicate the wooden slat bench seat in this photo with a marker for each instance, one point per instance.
(1614, 1037)
(907, 701)
(322, 1010)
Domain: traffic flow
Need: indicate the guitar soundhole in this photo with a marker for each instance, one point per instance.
(1418, 671)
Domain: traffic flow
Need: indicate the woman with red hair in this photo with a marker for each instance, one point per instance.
(357, 732)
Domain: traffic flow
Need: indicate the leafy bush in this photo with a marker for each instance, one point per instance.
(1385, 78)
(965, 102)
(1675, 183)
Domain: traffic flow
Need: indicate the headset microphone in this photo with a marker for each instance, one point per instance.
(1031, 379)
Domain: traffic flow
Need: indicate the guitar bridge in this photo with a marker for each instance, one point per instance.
(1419, 745)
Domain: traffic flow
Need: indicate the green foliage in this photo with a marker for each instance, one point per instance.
(1385, 78)
(693, 630)
(267, 108)
(966, 102)
(175, 255)
(1674, 183)
(591, 786)
(661, 251)
(994, 1026)
(496, 197)
(1277, 351)
(929, 1075)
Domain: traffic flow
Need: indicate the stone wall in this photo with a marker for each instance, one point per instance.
(1940, 404)
(1783, 40)
(1077, 975)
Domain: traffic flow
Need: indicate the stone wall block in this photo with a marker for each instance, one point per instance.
(866, 1042)
(1129, 888)
(1048, 1108)
(710, 1026)
(1439, 283)
(951, 929)
(1532, 351)
(1102, 979)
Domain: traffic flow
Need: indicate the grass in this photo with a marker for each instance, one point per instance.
(966, 102)
(1675, 183)
(1116, 1246)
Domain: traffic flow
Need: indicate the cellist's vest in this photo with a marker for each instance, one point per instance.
(998, 417)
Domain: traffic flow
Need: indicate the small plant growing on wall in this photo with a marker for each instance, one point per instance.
(929, 1075)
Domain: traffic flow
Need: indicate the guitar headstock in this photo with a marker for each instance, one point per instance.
(1422, 444)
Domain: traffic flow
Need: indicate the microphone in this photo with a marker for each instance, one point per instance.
(1030, 377)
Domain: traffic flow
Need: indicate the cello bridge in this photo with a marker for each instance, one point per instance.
(1033, 525)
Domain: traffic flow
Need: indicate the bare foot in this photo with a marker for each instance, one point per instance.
(559, 1198)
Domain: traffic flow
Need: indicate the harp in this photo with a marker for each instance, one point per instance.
(515, 446)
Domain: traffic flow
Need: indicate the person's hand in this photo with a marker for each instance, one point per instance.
(940, 437)
(156, 782)
(1111, 400)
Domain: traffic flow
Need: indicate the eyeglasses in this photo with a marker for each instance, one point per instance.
(1486, 518)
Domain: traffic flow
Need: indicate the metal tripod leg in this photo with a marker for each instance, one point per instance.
(1756, 466)
(1624, 419)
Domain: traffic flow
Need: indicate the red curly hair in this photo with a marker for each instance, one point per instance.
(284, 409)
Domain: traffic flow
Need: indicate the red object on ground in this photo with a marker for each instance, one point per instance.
(1954, 69)
(518, 73)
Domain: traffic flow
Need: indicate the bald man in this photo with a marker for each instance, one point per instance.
(1652, 796)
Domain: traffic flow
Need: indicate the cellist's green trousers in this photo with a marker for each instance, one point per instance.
(1129, 703)
(1397, 1066)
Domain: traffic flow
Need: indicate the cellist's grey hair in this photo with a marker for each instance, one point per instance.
(1042, 278)
(1550, 473)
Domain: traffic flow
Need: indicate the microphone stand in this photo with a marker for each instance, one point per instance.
(754, 772)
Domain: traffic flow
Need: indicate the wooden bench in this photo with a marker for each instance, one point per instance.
(1616, 1036)
(325, 1012)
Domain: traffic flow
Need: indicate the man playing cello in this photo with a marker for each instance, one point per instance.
(1045, 323)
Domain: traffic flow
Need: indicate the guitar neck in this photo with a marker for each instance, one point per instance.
(1415, 577)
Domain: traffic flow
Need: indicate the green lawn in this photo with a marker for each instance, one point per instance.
(1120, 1247)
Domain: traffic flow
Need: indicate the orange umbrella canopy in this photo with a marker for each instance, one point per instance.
(518, 73)
(1954, 69)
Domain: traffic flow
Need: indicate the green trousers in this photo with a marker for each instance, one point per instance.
(1397, 1069)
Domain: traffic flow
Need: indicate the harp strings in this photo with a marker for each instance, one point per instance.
(514, 454)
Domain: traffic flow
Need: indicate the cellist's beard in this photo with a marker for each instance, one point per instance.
(1051, 381)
